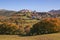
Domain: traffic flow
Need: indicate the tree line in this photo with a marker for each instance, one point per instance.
(45, 26)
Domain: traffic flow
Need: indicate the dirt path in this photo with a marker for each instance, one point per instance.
(39, 37)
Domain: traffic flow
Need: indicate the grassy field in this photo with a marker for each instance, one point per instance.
(39, 37)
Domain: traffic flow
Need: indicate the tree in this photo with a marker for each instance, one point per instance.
(48, 25)
(6, 28)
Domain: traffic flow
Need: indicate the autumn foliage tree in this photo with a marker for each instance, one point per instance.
(9, 28)
(45, 26)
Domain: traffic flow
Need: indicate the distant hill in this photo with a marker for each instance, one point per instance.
(54, 11)
(28, 14)
(4, 12)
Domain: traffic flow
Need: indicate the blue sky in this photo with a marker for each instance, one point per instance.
(38, 5)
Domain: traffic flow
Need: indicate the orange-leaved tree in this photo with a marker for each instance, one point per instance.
(45, 26)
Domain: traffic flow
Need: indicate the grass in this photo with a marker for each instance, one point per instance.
(38, 37)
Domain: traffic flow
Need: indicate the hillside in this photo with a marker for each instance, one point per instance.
(39, 37)
(55, 11)
(4, 12)
(21, 23)
(28, 14)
